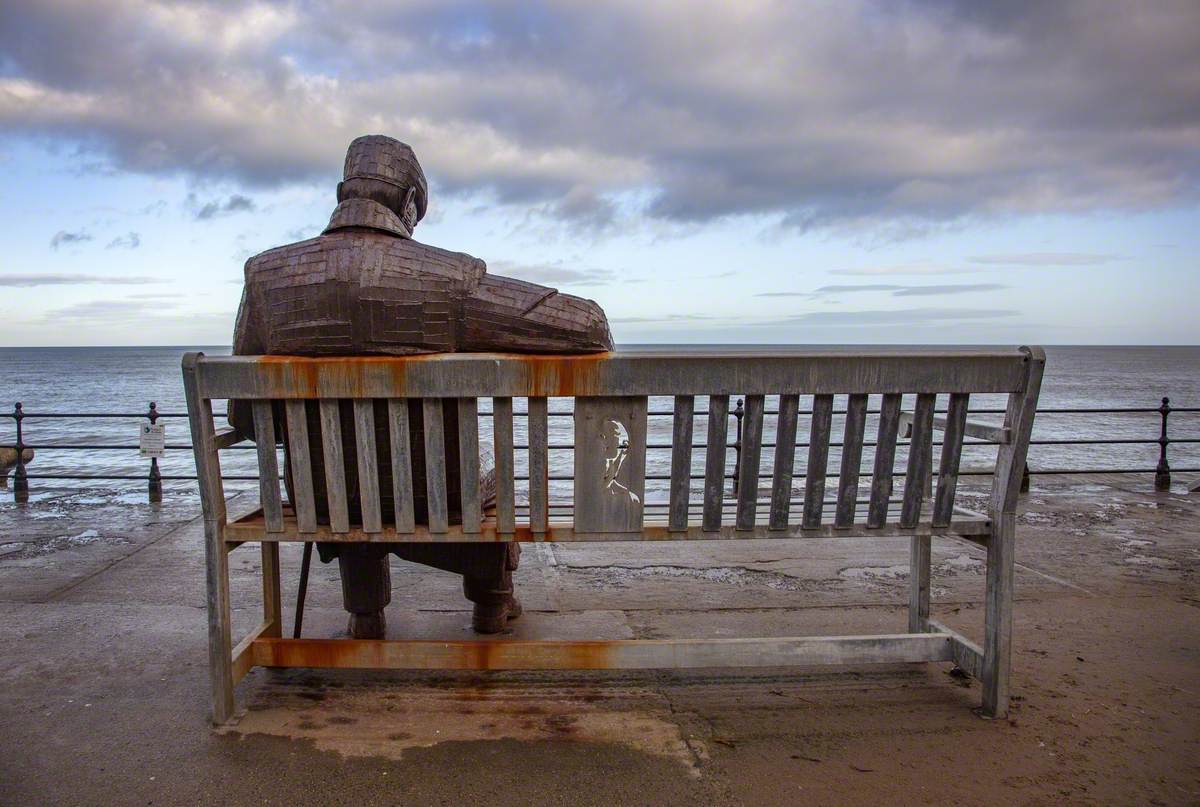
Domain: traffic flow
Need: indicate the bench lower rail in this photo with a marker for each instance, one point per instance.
(624, 654)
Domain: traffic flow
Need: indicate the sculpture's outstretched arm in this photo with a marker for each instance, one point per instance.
(506, 314)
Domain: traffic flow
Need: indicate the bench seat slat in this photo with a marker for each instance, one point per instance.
(681, 459)
(714, 459)
(402, 475)
(818, 459)
(268, 464)
(368, 464)
(752, 425)
(335, 465)
(502, 433)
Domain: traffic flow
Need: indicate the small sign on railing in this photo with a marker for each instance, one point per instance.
(152, 440)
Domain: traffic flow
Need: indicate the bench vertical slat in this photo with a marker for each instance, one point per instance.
(301, 462)
(502, 430)
(852, 446)
(402, 477)
(818, 460)
(681, 462)
(952, 445)
(368, 464)
(920, 452)
(885, 457)
(750, 460)
(335, 465)
(435, 464)
(785, 461)
(468, 463)
(714, 460)
(268, 465)
(539, 467)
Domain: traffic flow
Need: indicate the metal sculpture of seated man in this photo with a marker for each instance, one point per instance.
(364, 287)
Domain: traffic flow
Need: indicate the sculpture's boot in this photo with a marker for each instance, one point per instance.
(494, 603)
(366, 588)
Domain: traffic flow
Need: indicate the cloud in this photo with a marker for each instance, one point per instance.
(60, 279)
(902, 316)
(63, 238)
(914, 269)
(896, 291)
(108, 310)
(860, 114)
(553, 274)
(672, 318)
(1048, 259)
(130, 241)
(212, 209)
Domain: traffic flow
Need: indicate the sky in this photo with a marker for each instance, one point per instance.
(750, 172)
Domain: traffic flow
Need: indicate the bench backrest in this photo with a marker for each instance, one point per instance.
(789, 396)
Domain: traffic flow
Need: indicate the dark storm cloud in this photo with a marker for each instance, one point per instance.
(62, 238)
(217, 207)
(128, 241)
(895, 116)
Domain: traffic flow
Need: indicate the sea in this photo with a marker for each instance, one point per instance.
(98, 397)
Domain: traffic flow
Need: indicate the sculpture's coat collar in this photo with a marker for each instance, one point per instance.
(369, 214)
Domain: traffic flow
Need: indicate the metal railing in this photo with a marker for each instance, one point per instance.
(154, 478)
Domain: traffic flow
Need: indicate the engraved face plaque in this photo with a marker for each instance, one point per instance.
(610, 463)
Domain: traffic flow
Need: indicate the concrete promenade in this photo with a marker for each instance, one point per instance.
(103, 684)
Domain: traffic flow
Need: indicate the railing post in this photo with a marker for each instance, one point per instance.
(738, 413)
(20, 479)
(155, 485)
(1162, 474)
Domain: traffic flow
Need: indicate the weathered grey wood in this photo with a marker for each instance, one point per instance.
(621, 654)
(368, 464)
(952, 443)
(402, 475)
(918, 583)
(226, 436)
(212, 500)
(539, 466)
(748, 372)
(885, 457)
(335, 465)
(752, 424)
(272, 598)
(714, 460)
(468, 463)
(818, 460)
(610, 479)
(502, 431)
(968, 656)
(785, 461)
(268, 465)
(1006, 485)
(852, 446)
(920, 449)
(301, 463)
(681, 460)
(435, 464)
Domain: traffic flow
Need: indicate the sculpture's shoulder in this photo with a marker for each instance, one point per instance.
(364, 258)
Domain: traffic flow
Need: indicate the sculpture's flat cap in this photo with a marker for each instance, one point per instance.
(387, 159)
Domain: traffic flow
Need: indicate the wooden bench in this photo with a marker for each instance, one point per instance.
(607, 501)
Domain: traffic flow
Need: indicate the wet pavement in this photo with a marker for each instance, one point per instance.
(104, 699)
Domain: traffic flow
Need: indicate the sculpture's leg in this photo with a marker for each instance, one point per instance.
(366, 588)
(491, 590)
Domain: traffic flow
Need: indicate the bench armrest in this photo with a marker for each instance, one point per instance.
(972, 428)
(226, 437)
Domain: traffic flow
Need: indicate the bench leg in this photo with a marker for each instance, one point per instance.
(272, 601)
(918, 584)
(220, 637)
(997, 639)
